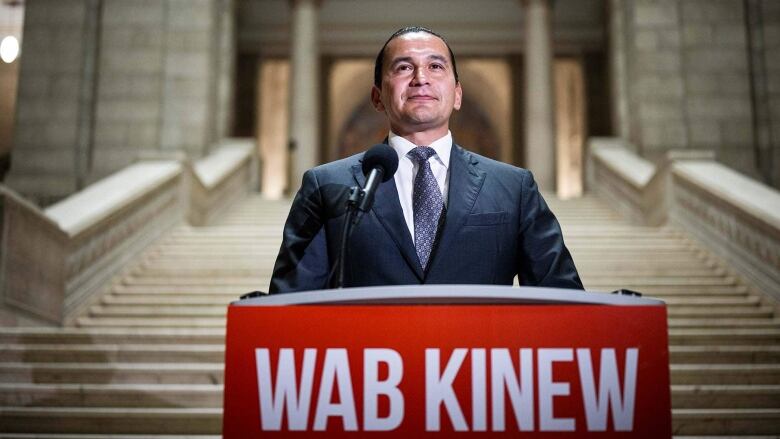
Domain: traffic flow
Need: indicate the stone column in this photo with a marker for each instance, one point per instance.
(539, 123)
(304, 88)
(54, 110)
(617, 67)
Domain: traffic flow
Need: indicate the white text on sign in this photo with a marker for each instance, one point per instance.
(290, 394)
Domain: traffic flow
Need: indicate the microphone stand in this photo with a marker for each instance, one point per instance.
(359, 202)
(355, 195)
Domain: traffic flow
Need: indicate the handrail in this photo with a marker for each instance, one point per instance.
(734, 216)
(221, 179)
(87, 208)
(56, 262)
(737, 217)
(633, 185)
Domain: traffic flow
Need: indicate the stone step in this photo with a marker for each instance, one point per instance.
(236, 290)
(631, 246)
(712, 302)
(653, 290)
(111, 420)
(726, 421)
(728, 354)
(194, 335)
(748, 311)
(251, 246)
(200, 272)
(126, 353)
(677, 281)
(738, 336)
(188, 281)
(160, 311)
(726, 396)
(702, 293)
(150, 322)
(110, 395)
(725, 373)
(113, 373)
(162, 264)
(744, 323)
(268, 254)
(670, 270)
(170, 299)
(639, 254)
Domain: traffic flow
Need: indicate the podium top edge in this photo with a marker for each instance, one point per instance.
(448, 294)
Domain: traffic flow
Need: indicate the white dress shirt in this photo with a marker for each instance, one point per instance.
(407, 171)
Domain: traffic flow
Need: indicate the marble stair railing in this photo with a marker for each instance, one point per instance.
(734, 216)
(220, 179)
(55, 262)
(631, 184)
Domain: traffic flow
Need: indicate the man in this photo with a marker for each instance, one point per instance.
(448, 216)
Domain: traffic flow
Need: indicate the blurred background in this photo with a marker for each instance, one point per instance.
(99, 84)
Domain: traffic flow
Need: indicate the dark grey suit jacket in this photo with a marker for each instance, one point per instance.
(497, 226)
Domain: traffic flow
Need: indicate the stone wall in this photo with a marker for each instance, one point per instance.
(105, 82)
(689, 78)
(771, 13)
(52, 76)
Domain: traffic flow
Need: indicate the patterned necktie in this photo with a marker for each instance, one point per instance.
(427, 203)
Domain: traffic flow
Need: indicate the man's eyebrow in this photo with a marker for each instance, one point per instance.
(434, 56)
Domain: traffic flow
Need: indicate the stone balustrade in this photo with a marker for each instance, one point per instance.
(633, 185)
(57, 261)
(734, 216)
(221, 179)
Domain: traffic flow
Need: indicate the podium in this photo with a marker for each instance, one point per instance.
(444, 361)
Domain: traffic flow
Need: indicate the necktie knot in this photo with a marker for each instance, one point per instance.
(421, 154)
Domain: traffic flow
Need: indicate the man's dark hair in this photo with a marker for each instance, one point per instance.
(380, 58)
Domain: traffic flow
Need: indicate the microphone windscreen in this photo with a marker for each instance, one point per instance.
(381, 155)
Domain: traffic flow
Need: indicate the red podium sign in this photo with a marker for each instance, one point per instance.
(436, 370)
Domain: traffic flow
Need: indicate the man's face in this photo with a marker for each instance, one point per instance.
(418, 91)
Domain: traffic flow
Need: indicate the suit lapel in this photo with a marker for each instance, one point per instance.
(465, 184)
(387, 208)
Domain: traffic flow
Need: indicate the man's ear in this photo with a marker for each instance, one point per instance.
(376, 98)
(458, 96)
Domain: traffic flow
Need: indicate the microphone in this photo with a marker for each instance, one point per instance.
(379, 165)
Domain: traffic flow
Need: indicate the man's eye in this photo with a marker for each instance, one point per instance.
(404, 67)
(437, 66)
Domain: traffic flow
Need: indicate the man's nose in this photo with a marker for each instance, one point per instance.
(420, 76)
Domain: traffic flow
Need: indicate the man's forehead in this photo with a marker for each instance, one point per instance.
(416, 43)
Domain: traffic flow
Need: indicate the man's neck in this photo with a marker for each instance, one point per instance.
(422, 138)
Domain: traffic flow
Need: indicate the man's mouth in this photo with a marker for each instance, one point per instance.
(422, 98)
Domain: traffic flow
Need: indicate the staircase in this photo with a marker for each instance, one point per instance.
(147, 361)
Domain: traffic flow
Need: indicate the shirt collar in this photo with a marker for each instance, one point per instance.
(442, 146)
